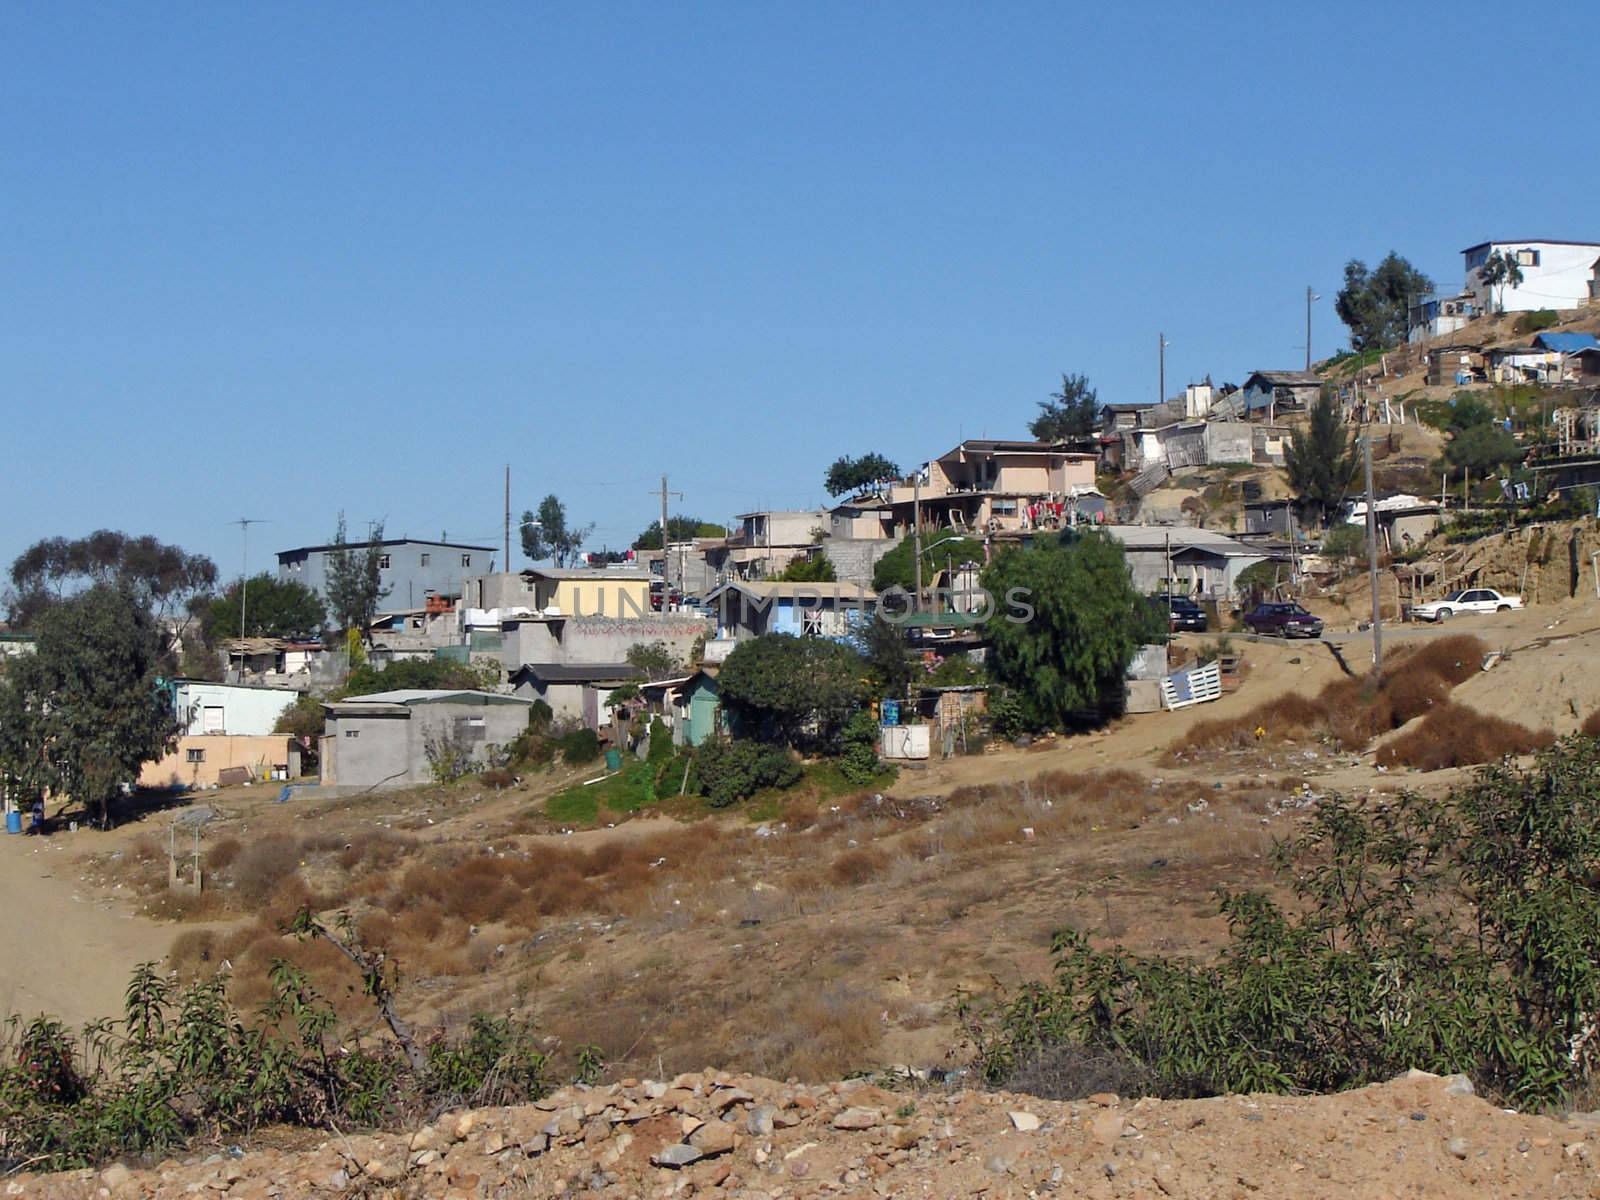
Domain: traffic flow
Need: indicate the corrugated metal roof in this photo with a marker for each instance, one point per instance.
(409, 696)
(1567, 343)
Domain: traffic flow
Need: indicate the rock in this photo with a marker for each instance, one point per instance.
(1107, 1128)
(727, 1097)
(1024, 1122)
(677, 1155)
(424, 1138)
(1105, 1099)
(1458, 1085)
(997, 1163)
(715, 1137)
(464, 1125)
(115, 1176)
(858, 1118)
(494, 1143)
(1457, 1146)
(759, 1122)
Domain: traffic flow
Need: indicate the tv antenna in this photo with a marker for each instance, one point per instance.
(244, 524)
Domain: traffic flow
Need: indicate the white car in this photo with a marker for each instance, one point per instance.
(1473, 600)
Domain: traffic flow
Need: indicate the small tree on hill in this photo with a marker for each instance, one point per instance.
(792, 690)
(1066, 660)
(1482, 448)
(1322, 460)
(1073, 412)
(847, 475)
(1500, 271)
(1375, 304)
(353, 583)
(547, 535)
(679, 529)
(816, 569)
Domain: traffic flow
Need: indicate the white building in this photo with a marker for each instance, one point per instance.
(1554, 275)
(228, 708)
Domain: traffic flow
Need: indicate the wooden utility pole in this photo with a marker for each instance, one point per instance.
(506, 565)
(1310, 298)
(1372, 559)
(666, 560)
(1161, 353)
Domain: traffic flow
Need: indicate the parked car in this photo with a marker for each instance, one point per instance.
(1185, 614)
(1282, 620)
(1473, 600)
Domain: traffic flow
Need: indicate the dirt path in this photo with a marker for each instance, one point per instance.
(62, 951)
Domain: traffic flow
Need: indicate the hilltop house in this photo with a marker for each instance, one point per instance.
(410, 570)
(1267, 393)
(1437, 316)
(749, 609)
(1554, 275)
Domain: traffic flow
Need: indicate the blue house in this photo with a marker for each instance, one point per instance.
(745, 610)
(410, 571)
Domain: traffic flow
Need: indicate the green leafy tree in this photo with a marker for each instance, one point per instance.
(1467, 410)
(273, 608)
(164, 579)
(897, 569)
(1343, 544)
(546, 534)
(734, 769)
(655, 659)
(848, 476)
(354, 586)
(882, 644)
(1374, 304)
(89, 710)
(1322, 460)
(1073, 412)
(792, 690)
(1500, 271)
(816, 569)
(1482, 448)
(1067, 660)
(680, 529)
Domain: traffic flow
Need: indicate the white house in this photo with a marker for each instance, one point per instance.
(1554, 275)
(228, 708)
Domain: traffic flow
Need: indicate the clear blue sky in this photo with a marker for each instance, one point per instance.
(279, 260)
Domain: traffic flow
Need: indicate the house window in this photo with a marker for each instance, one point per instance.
(466, 560)
(471, 728)
(383, 562)
(425, 558)
(352, 733)
(195, 756)
(1005, 508)
(1527, 258)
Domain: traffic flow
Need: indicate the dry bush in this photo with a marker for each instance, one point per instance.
(222, 852)
(1072, 1072)
(1591, 725)
(373, 850)
(1454, 659)
(263, 864)
(855, 867)
(1453, 735)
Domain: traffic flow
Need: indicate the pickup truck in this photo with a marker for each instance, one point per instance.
(1473, 600)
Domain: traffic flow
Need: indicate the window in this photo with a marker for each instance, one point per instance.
(383, 562)
(1527, 258)
(425, 558)
(195, 756)
(1005, 508)
(352, 733)
(466, 560)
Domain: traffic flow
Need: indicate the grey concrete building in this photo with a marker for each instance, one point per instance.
(381, 739)
(411, 570)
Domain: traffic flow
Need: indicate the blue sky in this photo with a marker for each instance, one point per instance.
(281, 260)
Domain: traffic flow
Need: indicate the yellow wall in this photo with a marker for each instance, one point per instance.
(258, 754)
(598, 597)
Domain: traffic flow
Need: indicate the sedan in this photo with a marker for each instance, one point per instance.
(1283, 620)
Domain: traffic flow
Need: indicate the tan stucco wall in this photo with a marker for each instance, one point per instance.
(259, 754)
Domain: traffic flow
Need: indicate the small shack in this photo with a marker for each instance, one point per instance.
(386, 739)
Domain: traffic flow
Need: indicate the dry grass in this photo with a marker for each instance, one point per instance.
(1453, 735)
(1591, 725)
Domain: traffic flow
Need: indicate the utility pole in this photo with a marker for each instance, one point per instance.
(1310, 298)
(1161, 353)
(916, 536)
(244, 524)
(506, 565)
(1372, 558)
(666, 560)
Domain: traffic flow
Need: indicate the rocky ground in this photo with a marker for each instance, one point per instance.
(740, 1136)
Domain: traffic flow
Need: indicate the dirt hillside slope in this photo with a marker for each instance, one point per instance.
(740, 1136)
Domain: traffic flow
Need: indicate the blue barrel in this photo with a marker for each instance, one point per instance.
(613, 760)
(891, 712)
(13, 822)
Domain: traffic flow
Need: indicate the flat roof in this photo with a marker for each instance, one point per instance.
(385, 542)
(1528, 242)
(581, 672)
(585, 574)
(406, 698)
(788, 590)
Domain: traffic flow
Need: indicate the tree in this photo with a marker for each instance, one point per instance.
(1375, 304)
(546, 535)
(882, 645)
(1073, 412)
(790, 689)
(354, 586)
(164, 579)
(87, 707)
(1467, 410)
(816, 569)
(1342, 545)
(655, 659)
(1482, 448)
(1068, 658)
(679, 529)
(852, 475)
(1322, 460)
(1500, 271)
(897, 569)
(273, 608)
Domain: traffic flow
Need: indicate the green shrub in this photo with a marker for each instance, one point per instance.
(859, 762)
(540, 715)
(660, 742)
(1455, 935)
(1533, 322)
(1008, 717)
(729, 770)
(579, 746)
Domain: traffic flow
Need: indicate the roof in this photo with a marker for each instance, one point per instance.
(585, 574)
(385, 542)
(1528, 242)
(784, 590)
(407, 697)
(989, 446)
(1286, 378)
(1181, 537)
(1130, 405)
(1567, 343)
(779, 512)
(580, 672)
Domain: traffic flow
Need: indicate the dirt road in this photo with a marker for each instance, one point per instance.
(63, 952)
